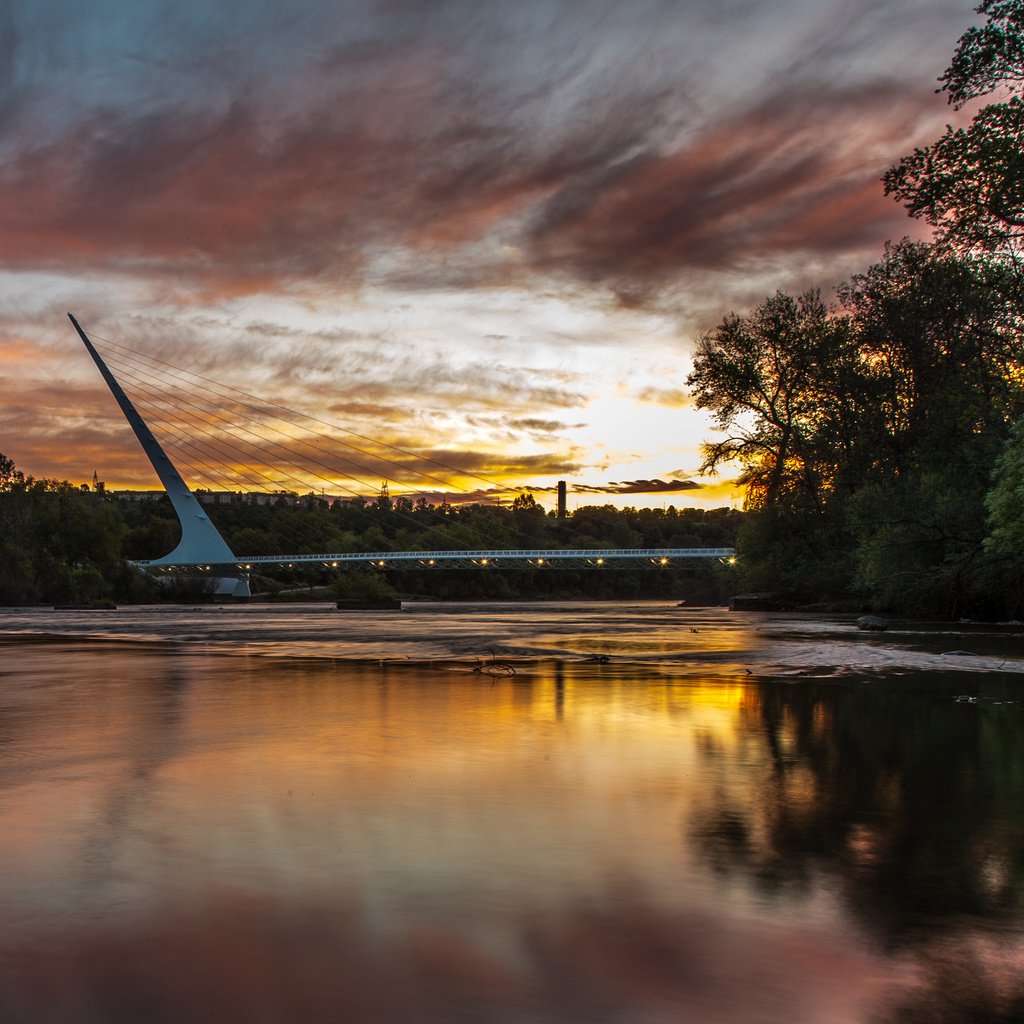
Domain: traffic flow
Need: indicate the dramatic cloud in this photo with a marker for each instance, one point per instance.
(423, 220)
(641, 487)
(414, 148)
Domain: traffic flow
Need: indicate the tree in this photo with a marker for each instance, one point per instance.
(867, 434)
(970, 184)
(526, 502)
(776, 381)
(936, 355)
(936, 347)
(787, 386)
(58, 542)
(989, 55)
(1005, 501)
(11, 478)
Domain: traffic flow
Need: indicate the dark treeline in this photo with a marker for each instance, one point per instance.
(61, 543)
(399, 524)
(880, 437)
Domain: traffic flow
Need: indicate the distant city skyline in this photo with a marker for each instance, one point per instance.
(487, 234)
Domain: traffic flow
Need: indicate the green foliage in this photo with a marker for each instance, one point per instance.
(988, 56)
(807, 558)
(57, 542)
(158, 533)
(363, 586)
(970, 184)
(936, 350)
(867, 434)
(1005, 501)
(919, 545)
(774, 380)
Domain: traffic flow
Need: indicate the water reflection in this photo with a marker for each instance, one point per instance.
(904, 801)
(190, 836)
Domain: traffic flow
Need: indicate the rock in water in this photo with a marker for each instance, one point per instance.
(873, 623)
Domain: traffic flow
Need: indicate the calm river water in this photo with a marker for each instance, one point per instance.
(508, 813)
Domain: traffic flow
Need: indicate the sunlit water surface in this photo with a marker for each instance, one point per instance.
(548, 813)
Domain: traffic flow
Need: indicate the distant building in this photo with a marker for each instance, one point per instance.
(217, 497)
(138, 496)
(245, 497)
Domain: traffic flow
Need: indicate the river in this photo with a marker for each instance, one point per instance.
(508, 813)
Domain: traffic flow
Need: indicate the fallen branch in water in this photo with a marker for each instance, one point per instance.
(494, 667)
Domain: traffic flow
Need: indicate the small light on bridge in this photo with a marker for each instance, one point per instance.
(600, 561)
(540, 561)
(483, 561)
(381, 562)
(732, 561)
(664, 561)
(431, 562)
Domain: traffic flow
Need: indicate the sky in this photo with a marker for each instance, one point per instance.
(485, 233)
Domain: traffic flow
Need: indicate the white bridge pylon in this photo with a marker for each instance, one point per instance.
(201, 541)
(202, 549)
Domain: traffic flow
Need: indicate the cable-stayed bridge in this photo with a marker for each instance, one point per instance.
(577, 558)
(215, 441)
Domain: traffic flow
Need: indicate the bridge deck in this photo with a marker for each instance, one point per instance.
(559, 557)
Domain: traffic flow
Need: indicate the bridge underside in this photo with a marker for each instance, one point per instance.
(574, 558)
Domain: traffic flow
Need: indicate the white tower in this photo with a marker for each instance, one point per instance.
(201, 542)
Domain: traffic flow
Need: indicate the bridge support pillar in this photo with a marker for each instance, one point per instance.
(232, 588)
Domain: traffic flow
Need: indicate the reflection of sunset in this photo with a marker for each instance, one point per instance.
(392, 760)
(606, 835)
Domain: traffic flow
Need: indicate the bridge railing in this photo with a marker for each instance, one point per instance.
(483, 557)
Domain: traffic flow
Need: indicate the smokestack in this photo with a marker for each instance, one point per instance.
(561, 499)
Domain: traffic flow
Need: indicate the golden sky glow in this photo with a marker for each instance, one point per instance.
(487, 234)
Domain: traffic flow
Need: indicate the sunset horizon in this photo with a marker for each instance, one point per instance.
(487, 240)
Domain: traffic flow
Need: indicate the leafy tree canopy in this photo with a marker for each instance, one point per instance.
(988, 56)
(768, 379)
(970, 184)
(1005, 501)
